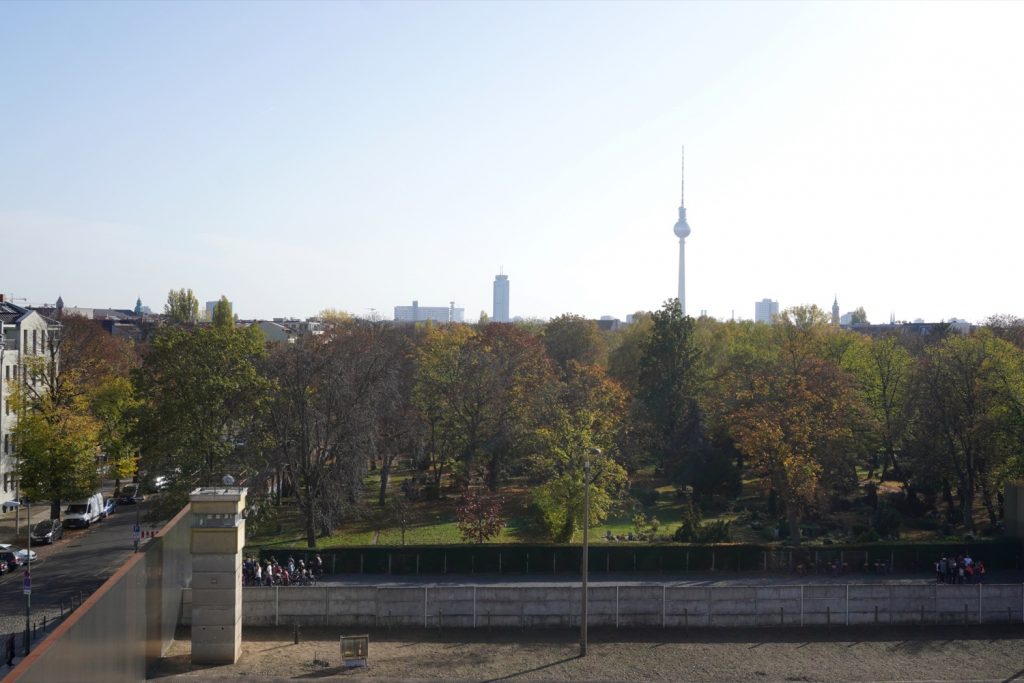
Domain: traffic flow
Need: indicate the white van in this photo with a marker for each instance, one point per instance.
(81, 513)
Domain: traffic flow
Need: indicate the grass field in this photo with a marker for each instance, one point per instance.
(433, 522)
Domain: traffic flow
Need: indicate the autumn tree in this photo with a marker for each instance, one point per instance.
(795, 417)
(63, 416)
(479, 515)
(57, 441)
(626, 349)
(570, 338)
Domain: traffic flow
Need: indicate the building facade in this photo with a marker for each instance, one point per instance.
(499, 313)
(23, 333)
(765, 311)
(438, 314)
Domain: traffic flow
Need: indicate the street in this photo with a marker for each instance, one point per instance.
(78, 563)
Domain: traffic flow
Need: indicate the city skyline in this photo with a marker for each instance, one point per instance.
(302, 156)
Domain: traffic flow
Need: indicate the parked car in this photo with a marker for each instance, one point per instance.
(109, 505)
(131, 494)
(10, 556)
(23, 555)
(82, 513)
(47, 531)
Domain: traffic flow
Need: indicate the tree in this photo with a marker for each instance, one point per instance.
(859, 316)
(327, 391)
(962, 405)
(587, 415)
(626, 350)
(201, 397)
(560, 495)
(57, 445)
(479, 516)
(182, 306)
(61, 411)
(883, 368)
(334, 316)
(574, 338)
(223, 316)
(795, 417)
(481, 393)
(670, 385)
(114, 405)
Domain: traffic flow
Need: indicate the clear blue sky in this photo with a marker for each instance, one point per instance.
(361, 155)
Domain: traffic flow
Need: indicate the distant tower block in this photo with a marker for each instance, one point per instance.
(218, 536)
(500, 310)
(682, 230)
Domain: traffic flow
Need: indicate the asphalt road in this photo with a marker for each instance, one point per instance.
(78, 563)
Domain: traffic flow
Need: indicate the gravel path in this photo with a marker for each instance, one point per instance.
(848, 654)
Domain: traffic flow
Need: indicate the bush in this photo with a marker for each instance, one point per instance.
(715, 532)
(869, 536)
(644, 496)
(692, 530)
(689, 529)
(886, 521)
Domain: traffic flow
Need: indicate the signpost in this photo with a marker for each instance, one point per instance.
(26, 583)
(136, 535)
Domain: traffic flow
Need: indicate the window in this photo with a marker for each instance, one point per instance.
(35, 349)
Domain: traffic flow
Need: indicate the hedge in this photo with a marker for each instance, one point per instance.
(566, 559)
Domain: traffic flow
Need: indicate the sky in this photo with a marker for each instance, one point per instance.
(361, 155)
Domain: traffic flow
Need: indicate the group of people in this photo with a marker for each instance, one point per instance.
(270, 572)
(960, 569)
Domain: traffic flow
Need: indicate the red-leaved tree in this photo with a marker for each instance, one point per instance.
(479, 515)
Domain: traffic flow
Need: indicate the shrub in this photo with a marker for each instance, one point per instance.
(886, 521)
(689, 529)
(644, 496)
(715, 532)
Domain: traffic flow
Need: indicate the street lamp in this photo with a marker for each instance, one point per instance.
(16, 505)
(586, 544)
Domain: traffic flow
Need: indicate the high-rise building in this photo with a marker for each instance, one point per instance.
(765, 311)
(500, 310)
(682, 231)
(439, 314)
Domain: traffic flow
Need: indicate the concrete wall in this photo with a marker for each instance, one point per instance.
(126, 625)
(531, 606)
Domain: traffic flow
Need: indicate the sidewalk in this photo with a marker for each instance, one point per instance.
(8, 520)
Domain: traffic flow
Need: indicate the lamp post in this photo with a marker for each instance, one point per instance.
(16, 505)
(586, 544)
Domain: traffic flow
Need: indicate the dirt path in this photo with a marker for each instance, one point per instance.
(876, 654)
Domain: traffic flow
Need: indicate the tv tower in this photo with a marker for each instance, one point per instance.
(682, 231)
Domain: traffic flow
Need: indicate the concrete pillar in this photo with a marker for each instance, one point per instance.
(218, 536)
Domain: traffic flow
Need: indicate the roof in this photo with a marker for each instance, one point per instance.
(11, 313)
